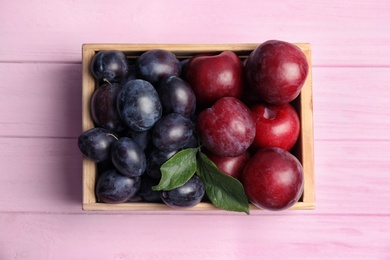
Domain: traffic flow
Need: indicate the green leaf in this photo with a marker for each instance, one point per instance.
(177, 170)
(224, 191)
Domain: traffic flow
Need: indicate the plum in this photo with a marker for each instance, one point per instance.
(276, 71)
(227, 128)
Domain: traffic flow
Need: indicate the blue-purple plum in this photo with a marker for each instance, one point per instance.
(172, 132)
(154, 65)
(188, 195)
(109, 65)
(128, 157)
(114, 187)
(139, 105)
(104, 109)
(176, 96)
(95, 143)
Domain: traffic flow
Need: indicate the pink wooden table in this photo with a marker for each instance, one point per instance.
(40, 120)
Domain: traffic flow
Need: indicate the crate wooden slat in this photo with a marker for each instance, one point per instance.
(304, 149)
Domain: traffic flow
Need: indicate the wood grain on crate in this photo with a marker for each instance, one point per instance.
(304, 151)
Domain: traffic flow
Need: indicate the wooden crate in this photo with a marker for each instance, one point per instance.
(303, 104)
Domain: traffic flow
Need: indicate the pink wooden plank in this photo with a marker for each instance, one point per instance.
(352, 176)
(40, 174)
(51, 236)
(44, 175)
(349, 103)
(40, 104)
(40, 99)
(341, 33)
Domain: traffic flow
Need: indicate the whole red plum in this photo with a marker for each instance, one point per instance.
(233, 166)
(277, 70)
(273, 179)
(276, 126)
(227, 128)
(215, 76)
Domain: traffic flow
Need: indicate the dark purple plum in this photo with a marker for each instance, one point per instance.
(193, 142)
(128, 157)
(172, 132)
(104, 109)
(155, 159)
(131, 75)
(183, 64)
(188, 195)
(176, 96)
(142, 138)
(154, 65)
(95, 143)
(114, 187)
(145, 192)
(109, 65)
(139, 105)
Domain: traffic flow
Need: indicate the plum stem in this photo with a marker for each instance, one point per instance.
(106, 80)
(113, 136)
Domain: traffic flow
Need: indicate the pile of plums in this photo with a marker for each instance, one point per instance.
(237, 111)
